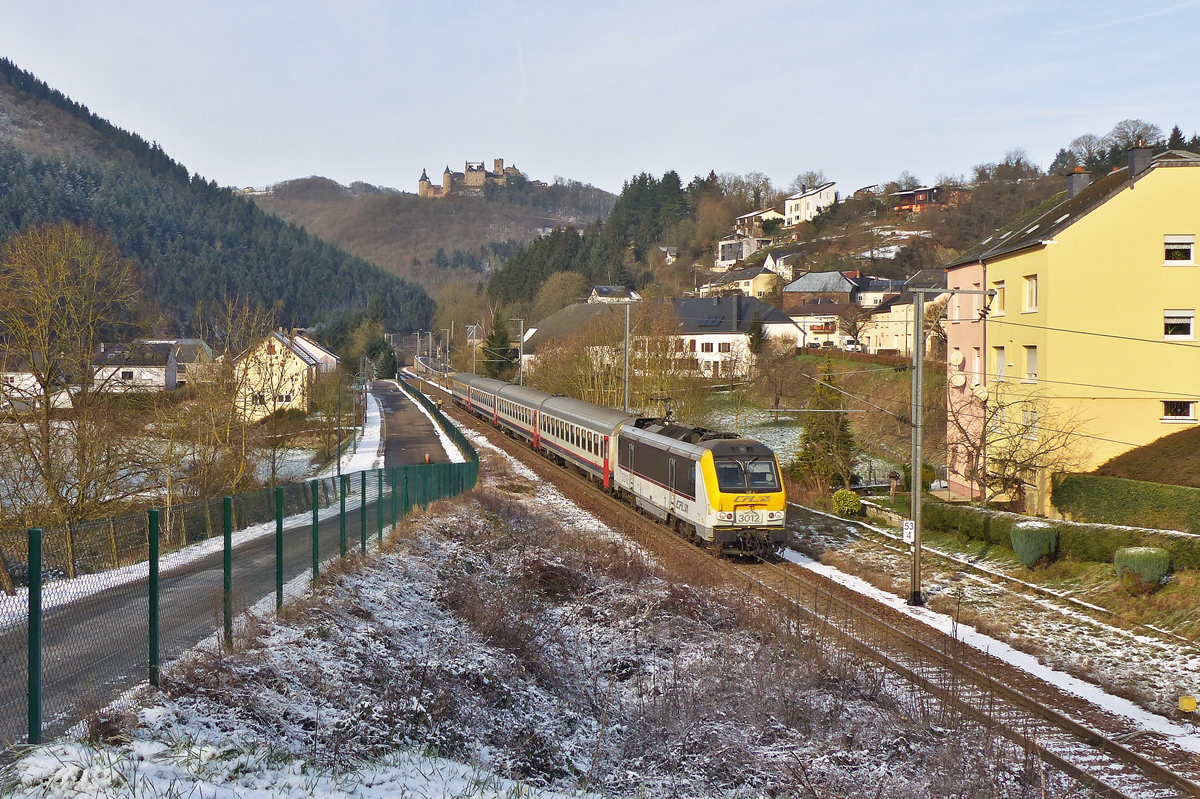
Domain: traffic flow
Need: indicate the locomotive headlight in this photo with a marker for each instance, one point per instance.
(774, 515)
(724, 517)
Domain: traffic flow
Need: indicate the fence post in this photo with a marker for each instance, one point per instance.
(278, 548)
(35, 635)
(379, 506)
(342, 516)
(153, 541)
(362, 509)
(316, 529)
(227, 587)
(392, 478)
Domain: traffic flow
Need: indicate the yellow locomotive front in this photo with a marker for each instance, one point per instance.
(747, 506)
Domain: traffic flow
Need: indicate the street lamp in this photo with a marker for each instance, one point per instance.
(446, 357)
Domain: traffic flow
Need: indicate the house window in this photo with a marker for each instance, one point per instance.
(270, 349)
(706, 346)
(977, 364)
(1178, 411)
(127, 375)
(1031, 293)
(998, 300)
(283, 397)
(691, 345)
(1031, 363)
(1177, 250)
(258, 399)
(726, 347)
(1001, 362)
(1178, 324)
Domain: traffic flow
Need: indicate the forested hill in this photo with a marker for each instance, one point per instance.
(434, 240)
(194, 242)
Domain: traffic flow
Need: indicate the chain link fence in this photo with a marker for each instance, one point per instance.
(88, 611)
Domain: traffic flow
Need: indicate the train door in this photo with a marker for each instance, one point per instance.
(671, 486)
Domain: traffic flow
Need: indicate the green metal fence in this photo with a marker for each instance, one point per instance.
(89, 611)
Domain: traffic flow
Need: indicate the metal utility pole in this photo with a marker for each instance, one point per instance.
(429, 350)
(446, 357)
(914, 503)
(520, 353)
(474, 339)
(912, 531)
(626, 405)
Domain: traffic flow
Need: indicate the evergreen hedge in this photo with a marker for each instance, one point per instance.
(1141, 568)
(1115, 500)
(1076, 540)
(1033, 541)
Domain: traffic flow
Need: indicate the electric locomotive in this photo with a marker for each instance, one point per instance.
(715, 488)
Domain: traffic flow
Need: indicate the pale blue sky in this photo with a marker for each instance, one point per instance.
(250, 93)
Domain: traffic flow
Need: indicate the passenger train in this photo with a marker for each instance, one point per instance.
(718, 489)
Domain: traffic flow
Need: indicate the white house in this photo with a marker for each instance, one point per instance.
(751, 224)
(804, 205)
(613, 294)
(714, 331)
(736, 248)
(817, 320)
(788, 266)
(19, 387)
(139, 366)
(192, 355)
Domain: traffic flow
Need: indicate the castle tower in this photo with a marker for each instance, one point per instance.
(498, 166)
(447, 179)
(423, 185)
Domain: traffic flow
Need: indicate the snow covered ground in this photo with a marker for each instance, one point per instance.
(369, 452)
(1123, 671)
(509, 644)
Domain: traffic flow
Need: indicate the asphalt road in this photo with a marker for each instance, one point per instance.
(97, 647)
(408, 435)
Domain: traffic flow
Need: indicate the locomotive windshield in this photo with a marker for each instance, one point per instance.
(752, 475)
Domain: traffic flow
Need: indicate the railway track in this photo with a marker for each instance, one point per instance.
(1081, 740)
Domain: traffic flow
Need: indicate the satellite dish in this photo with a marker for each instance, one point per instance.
(956, 358)
(958, 380)
(980, 392)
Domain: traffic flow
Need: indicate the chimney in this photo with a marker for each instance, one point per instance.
(1140, 158)
(1077, 181)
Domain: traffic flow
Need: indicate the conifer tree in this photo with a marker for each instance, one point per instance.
(827, 447)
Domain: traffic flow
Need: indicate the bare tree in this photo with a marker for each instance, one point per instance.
(935, 325)
(1134, 132)
(71, 459)
(1087, 148)
(807, 180)
(1000, 441)
(852, 320)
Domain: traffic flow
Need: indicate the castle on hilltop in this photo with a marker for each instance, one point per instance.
(470, 181)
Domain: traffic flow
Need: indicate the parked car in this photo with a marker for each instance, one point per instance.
(853, 346)
(827, 345)
(814, 345)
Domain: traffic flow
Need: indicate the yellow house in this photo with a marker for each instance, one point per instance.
(1088, 346)
(753, 281)
(277, 374)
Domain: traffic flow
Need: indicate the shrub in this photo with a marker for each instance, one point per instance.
(846, 503)
(927, 475)
(1141, 569)
(1034, 541)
